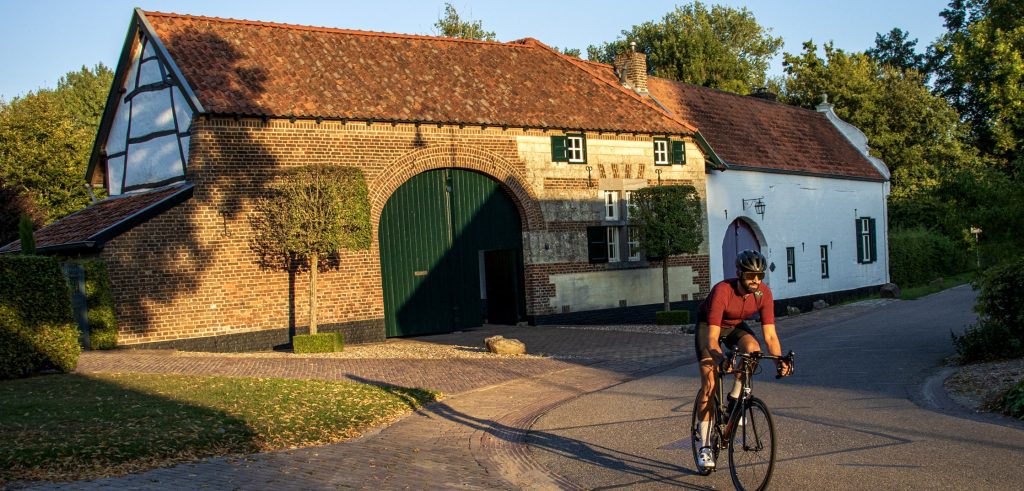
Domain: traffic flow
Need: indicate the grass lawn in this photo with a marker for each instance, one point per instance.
(69, 427)
(916, 292)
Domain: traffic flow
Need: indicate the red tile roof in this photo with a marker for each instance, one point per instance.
(765, 135)
(100, 222)
(262, 68)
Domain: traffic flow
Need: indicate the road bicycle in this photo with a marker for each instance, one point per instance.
(744, 428)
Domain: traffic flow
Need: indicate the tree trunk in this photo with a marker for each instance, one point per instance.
(313, 267)
(664, 282)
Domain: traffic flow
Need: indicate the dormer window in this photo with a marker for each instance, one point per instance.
(570, 148)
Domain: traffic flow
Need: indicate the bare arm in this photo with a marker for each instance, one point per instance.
(712, 346)
(771, 339)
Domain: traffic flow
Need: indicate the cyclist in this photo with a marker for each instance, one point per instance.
(721, 318)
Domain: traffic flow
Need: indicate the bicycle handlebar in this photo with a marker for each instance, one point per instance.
(757, 356)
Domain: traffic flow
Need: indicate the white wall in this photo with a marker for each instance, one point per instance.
(802, 212)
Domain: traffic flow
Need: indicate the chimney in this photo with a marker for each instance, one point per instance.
(632, 69)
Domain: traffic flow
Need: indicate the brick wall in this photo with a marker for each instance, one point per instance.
(190, 272)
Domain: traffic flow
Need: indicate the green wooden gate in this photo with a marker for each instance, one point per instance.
(435, 232)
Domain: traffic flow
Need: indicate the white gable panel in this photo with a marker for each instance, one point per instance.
(151, 112)
(150, 73)
(183, 112)
(133, 71)
(119, 128)
(115, 171)
(184, 147)
(153, 161)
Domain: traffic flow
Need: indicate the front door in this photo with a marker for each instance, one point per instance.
(738, 237)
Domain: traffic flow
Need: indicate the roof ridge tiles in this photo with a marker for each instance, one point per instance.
(324, 29)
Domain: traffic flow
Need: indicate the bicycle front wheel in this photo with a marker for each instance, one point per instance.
(752, 448)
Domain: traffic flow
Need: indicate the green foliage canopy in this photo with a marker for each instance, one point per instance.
(720, 47)
(670, 223)
(454, 26)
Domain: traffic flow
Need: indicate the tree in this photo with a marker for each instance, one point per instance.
(670, 222)
(723, 47)
(453, 26)
(46, 138)
(979, 67)
(12, 206)
(26, 231)
(896, 50)
(916, 133)
(309, 214)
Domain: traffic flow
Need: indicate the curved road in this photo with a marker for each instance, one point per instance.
(863, 412)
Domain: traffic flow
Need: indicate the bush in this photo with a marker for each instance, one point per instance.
(672, 318)
(102, 322)
(919, 255)
(325, 342)
(1013, 401)
(999, 333)
(37, 330)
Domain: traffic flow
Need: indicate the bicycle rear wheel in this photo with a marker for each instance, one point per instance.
(752, 448)
(695, 442)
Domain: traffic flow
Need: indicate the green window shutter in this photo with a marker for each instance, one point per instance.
(597, 244)
(559, 149)
(871, 240)
(678, 152)
(860, 242)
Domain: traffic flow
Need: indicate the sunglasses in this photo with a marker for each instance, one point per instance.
(751, 276)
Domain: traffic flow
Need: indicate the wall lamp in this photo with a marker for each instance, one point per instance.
(757, 203)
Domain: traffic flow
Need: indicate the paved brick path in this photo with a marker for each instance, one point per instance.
(474, 439)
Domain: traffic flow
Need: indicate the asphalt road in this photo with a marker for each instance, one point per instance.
(857, 415)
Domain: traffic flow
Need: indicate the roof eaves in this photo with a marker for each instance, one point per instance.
(142, 216)
(829, 175)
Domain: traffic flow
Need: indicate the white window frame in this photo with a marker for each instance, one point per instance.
(865, 240)
(613, 244)
(791, 264)
(629, 200)
(611, 205)
(634, 243)
(824, 261)
(661, 152)
(574, 148)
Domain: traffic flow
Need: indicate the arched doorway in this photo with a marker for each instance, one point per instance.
(451, 254)
(739, 236)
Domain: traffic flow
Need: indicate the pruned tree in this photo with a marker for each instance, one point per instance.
(454, 26)
(670, 223)
(309, 214)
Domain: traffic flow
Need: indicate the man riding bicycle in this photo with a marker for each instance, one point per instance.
(721, 319)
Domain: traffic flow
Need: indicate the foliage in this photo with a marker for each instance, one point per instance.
(979, 67)
(1013, 401)
(100, 300)
(919, 255)
(672, 317)
(1000, 331)
(325, 342)
(26, 233)
(935, 286)
(36, 327)
(453, 26)
(311, 213)
(670, 223)
(896, 50)
(723, 47)
(46, 138)
(12, 206)
(125, 423)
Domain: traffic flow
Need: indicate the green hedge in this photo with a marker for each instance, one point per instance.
(919, 255)
(325, 342)
(672, 318)
(100, 300)
(1013, 401)
(999, 332)
(37, 330)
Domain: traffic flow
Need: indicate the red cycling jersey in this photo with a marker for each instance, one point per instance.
(726, 307)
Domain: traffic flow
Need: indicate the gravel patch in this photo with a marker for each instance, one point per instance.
(644, 328)
(979, 386)
(397, 349)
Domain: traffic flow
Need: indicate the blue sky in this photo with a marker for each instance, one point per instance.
(44, 39)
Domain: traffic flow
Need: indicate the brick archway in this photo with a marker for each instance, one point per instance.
(459, 157)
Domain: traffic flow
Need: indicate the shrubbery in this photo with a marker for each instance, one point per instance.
(918, 255)
(1013, 401)
(325, 342)
(102, 323)
(1000, 331)
(37, 330)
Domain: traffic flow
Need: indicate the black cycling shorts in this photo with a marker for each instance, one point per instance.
(730, 336)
